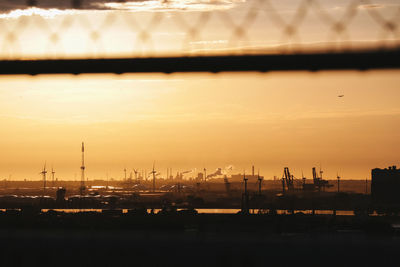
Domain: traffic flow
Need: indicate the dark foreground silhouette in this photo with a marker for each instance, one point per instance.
(178, 239)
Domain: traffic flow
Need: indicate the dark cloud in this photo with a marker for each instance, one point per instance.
(8, 5)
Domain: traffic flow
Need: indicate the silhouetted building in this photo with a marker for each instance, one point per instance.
(385, 185)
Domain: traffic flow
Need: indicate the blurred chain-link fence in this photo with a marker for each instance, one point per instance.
(365, 32)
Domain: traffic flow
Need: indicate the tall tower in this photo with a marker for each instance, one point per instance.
(82, 187)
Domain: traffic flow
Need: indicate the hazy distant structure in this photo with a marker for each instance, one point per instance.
(385, 185)
(179, 176)
(44, 172)
(82, 187)
(338, 182)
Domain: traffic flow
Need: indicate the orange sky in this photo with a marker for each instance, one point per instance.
(187, 121)
(192, 121)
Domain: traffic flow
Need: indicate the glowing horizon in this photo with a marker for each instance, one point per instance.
(187, 121)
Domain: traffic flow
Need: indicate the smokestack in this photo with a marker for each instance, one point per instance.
(252, 170)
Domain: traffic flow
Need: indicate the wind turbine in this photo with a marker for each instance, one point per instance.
(154, 177)
(43, 172)
(136, 177)
(52, 176)
(338, 182)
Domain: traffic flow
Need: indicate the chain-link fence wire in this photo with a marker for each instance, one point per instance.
(52, 29)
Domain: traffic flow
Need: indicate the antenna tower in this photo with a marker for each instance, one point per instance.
(82, 187)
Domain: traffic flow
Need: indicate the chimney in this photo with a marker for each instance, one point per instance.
(252, 170)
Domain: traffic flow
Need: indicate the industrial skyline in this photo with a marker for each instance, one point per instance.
(166, 172)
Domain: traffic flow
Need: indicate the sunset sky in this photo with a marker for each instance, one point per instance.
(192, 121)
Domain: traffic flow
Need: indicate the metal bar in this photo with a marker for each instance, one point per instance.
(385, 59)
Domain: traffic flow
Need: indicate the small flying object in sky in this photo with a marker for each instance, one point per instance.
(340, 95)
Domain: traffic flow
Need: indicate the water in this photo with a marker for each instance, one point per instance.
(224, 211)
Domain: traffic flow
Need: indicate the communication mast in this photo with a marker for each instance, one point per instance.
(82, 187)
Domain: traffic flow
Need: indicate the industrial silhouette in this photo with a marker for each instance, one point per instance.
(221, 202)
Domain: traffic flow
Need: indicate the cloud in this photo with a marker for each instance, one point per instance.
(171, 5)
(33, 11)
(371, 6)
(8, 6)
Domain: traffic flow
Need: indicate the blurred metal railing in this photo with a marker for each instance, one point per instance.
(263, 63)
(100, 36)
